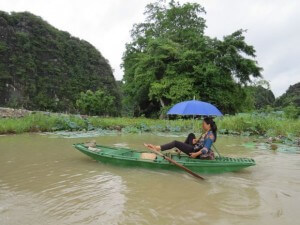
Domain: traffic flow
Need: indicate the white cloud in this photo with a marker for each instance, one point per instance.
(272, 28)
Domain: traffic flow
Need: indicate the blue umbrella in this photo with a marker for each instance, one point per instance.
(194, 107)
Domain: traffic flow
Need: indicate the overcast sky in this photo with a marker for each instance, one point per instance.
(273, 28)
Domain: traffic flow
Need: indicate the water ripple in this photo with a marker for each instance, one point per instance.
(100, 196)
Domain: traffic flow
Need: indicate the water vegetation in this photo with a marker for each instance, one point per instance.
(262, 124)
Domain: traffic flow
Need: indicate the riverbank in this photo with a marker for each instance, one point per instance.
(13, 113)
(275, 128)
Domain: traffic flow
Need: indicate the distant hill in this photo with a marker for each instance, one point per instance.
(262, 96)
(292, 95)
(42, 68)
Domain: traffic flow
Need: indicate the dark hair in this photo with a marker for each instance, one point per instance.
(213, 126)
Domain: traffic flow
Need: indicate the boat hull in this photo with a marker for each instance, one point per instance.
(127, 157)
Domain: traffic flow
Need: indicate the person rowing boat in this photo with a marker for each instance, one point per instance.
(196, 148)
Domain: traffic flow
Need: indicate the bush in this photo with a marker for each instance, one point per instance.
(291, 111)
(98, 103)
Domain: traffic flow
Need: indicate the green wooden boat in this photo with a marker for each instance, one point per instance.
(129, 157)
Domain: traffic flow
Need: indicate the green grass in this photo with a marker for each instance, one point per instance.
(40, 122)
(245, 124)
(252, 124)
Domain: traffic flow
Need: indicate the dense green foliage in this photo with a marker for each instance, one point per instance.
(97, 103)
(291, 96)
(170, 59)
(272, 124)
(47, 69)
(291, 111)
(261, 99)
(261, 95)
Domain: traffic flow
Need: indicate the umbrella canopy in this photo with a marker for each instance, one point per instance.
(194, 107)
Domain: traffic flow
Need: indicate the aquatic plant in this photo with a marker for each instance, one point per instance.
(240, 124)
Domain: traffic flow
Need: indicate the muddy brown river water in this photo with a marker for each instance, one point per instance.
(44, 180)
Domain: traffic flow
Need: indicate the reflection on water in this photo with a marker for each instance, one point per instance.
(43, 180)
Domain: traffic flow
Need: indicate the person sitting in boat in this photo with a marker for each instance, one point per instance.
(196, 148)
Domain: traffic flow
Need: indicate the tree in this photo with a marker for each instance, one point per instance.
(170, 59)
(98, 103)
(261, 94)
(291, 96)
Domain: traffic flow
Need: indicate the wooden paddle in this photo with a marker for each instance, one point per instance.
(176, 163)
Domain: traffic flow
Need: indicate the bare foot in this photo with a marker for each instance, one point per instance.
(153, 147)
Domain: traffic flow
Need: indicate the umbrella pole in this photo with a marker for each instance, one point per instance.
(193, 124)
(216, 150)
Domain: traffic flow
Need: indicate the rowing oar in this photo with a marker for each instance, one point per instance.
(176, 163)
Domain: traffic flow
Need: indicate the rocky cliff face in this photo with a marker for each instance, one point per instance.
(42, 68)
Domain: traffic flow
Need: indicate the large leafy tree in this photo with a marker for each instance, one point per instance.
(170, 59)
